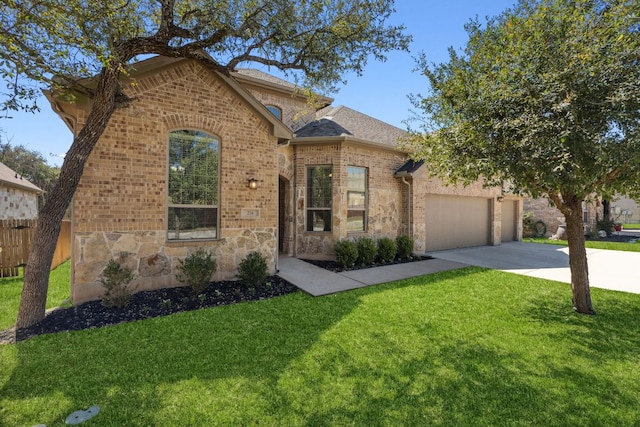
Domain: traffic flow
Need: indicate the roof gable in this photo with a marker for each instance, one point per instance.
(11, 178)
(155, 65)
(344, 121)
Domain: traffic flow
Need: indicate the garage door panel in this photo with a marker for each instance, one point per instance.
(456, 222)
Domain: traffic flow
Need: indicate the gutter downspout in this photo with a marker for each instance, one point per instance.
(409, 196)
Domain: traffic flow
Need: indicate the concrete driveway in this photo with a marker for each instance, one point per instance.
(614, 270)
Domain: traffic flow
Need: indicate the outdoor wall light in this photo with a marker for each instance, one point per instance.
(500, 198)
(252, 183)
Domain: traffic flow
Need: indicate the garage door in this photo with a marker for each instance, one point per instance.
(457, 222)
(509, 212)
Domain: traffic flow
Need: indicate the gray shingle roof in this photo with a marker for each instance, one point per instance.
(343, 121)
(409, 167)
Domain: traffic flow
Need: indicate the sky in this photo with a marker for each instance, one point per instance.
(381, 92)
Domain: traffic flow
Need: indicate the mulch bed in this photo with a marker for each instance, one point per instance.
(148, 304)
(336, 268)
(161, 302)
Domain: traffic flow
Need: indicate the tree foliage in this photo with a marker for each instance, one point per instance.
(317, 41)
(545, 96)
(85, 47)
(29, 164)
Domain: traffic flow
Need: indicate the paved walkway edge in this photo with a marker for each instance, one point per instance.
(318, 281)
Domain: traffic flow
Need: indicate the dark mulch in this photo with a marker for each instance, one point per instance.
(148, 304)
(336, 268)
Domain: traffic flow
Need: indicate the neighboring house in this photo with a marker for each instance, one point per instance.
(625, 210)
(542, 209)
(18, 197)
(622, 209)
(240, 164)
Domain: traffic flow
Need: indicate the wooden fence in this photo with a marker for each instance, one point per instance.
(16, 238)
(63, 247)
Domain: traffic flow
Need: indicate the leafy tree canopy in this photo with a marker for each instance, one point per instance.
(316, 41)
(30, 164)
(546, 96)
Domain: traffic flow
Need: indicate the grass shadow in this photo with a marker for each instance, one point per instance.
(463, 348)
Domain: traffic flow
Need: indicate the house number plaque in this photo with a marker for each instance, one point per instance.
(250, 213)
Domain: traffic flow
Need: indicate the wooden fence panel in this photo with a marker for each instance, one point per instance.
(63, 247)
(16, 237)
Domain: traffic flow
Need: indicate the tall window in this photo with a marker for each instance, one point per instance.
(319, 198)
(356, 198)
(194, 164)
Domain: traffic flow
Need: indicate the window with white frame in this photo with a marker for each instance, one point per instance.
(356, 199)
(319, 198)
(194, 165)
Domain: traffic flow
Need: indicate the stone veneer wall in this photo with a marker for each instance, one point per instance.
(17, 204)
(119, 209)
(385, 193)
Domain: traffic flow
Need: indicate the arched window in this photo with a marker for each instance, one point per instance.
(194, 165)
(276, 111)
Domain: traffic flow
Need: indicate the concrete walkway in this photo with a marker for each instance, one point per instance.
(615, 270)
(318, 281)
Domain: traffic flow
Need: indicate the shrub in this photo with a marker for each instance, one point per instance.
(367, 251)
(346, 253)
(252, 270)
(196, 270)
(115, 281)
(387, 249)
(405, 247)
(607, 225)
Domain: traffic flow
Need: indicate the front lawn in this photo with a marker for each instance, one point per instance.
(592, 244)
(11, 288)
(468, 347)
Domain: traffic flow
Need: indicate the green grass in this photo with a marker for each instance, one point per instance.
(469, 347)
(592, 244)
(631, 226)
(11, 288)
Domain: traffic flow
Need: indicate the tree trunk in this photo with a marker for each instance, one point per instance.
(36, 276)
(578, 256)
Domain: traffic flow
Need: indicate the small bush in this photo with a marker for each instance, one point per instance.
(405, 247)
(387, 249)
(346, 253)
(367, 251)
(252, 270)
(196, 270)
(115, 281)
(607, 225)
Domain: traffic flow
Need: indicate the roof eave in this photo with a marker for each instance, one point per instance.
(34, 189)
(324, 100)
(279, 129)
(316, 140)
